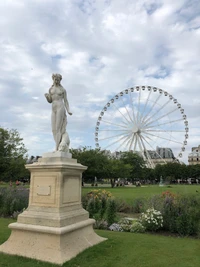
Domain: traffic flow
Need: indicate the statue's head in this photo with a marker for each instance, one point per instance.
(56, 78)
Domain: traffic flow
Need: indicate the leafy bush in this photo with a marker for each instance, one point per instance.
(101, 224)
(101, 207)
(13, 200)
(139, 205)
(128, 225)
(188, 215)
(152, 219)
(181, 213)
(125, 224)
(137, 227)
(111, 211)
(122, 206)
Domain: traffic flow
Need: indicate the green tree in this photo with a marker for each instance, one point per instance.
(95, 160)
(193, 171)
(12, 155)
(171, 171)
(136, 162)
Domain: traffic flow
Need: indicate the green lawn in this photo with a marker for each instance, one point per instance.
(121, 249)
(129, 193)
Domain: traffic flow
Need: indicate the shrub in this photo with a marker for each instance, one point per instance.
(125, 224)
(137, 227)
(139, 205)
(181, 213)
(101, 224)
(122, 206)
(128, 225)
(101, 207)
(111, 212)
(13, 200)
(188, 215)
(152, 219)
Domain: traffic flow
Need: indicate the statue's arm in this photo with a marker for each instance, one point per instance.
(48, 97)
(66, 102)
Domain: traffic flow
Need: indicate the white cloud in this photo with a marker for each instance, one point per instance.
(100, 48)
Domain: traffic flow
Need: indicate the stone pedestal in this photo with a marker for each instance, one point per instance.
(54, 227)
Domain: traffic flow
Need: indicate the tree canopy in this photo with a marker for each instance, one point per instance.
(129, 165)
(12, 155)
(101, 165)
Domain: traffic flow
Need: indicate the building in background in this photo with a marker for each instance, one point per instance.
(161, 155)
(194, 156)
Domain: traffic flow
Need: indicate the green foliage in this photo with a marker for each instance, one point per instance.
(181, 213)
(136, 162)
(12, 200)
(125, 224)
(12, 155)
(171, 171)
(137, 227)
(101, 165)
(117, 168)
(111, 211)
(193, 171)
(94, 159)
(100, 207)
(139, 205)
(130, 165)
(123, 206)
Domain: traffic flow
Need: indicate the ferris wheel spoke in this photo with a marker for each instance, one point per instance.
(127, 140)
(132, 141)
(153, 149)
(170, 140)
(166, 131)
(135, 144)
(157, 152)
(140, 147)
(139, 100)
(152, 165)
(157, 119)
(105, 130)
(110, 137)
(121, 113)
(151, 108)
(111, 123)
(116, 142)
(157, 111)
(126, 109)
(134, 118)
(164, 123)
(147, 100)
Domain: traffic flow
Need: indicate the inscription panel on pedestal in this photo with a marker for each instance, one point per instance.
(44, 189)
(71, 189)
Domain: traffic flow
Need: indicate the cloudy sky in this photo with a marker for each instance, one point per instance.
(100, 47)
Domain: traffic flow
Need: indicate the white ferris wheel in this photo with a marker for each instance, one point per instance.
(142, 119)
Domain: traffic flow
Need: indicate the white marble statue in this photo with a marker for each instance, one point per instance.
(64, 144)
(58, 97)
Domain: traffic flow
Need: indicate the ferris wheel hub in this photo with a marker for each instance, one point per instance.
(135, 129)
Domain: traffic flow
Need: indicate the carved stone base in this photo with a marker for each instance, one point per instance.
(55, 227)
(51, 244)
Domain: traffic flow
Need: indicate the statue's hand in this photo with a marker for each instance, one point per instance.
(70, 113)
(46, 95)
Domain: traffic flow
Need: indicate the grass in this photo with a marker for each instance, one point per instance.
(121, 249)
(128, 194)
